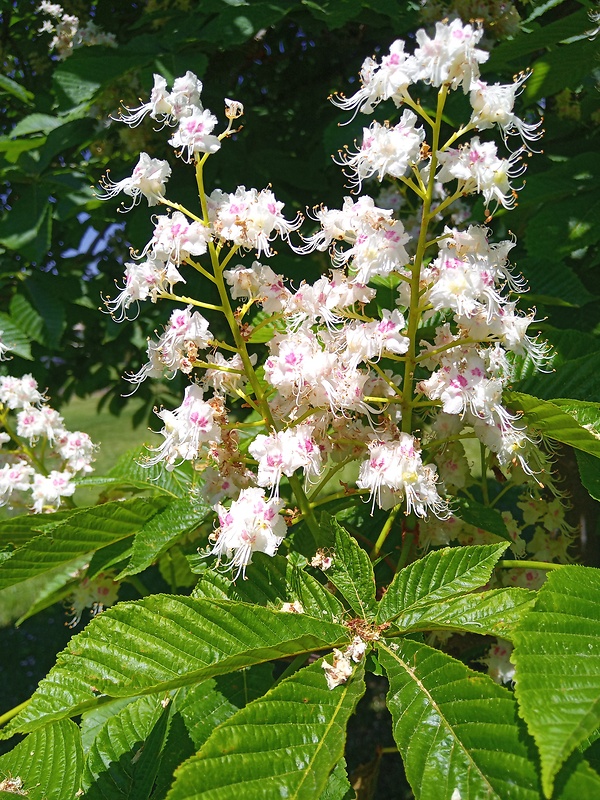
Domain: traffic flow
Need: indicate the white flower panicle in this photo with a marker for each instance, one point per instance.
(37, 442)
(68, 32)
(402, 345)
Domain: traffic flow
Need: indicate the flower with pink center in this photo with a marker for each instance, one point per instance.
(47, 490)
(187, 430)
(194, 135)
(148, 179)
(19, 392)
(450, 57)
(283, 452)
(251, 524)
(384, 151)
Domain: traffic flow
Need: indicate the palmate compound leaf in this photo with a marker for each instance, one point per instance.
(441, 575)
(49, 762)
(456, 730)
(557, 660)
(283, 745)
(163, 642)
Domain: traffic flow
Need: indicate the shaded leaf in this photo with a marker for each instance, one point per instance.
(557, 659)
(159, 533)
(124, 757)
(86, 532)
(284, 744)
(480, 516)
(351, 570)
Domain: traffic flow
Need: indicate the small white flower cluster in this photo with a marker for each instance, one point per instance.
(23, 472)
(68, 31)
(94, 593)
(341, 668)
(251, 524)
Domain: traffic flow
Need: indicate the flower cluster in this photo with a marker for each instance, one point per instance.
(389, 359)
(69, 33)
(26, 421)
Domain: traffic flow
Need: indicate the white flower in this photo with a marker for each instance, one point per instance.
(20, 392)
(451, 56)
(385, 151)
(394, 471)
(194, 134)
(187, 429)
(493, 105)
(284, 452)
(477, 168)
(47, 490)
(15, 477)
(148, 179)
(159, 107)
(34, 422)
(390, 79)
(339, 671)
(251, 524)
(500, 668)
(258, 283)
(249, 218)
(142, 281)
(77, 449)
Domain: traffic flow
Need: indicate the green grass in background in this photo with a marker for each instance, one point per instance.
(114, 435)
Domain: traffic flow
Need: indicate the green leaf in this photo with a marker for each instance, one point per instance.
(125, 755)
(578, 379)
(159, 533)
(561, 68)
(49, 762)
(163, 642)
(26, 229)
(557, 660)
(457, 731)
(589, 472)
(17, 531)
(494, 613)
(441, 575)
(338, 786)
(131, 470)
(8, 86)
(480, 516)
(86, 532)
(88, 69)
(283, 745)
(273, 581)
(554, 422)
(208, 704)
(35, 123)
(14, 338)
(351, 570)
(29, 320)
